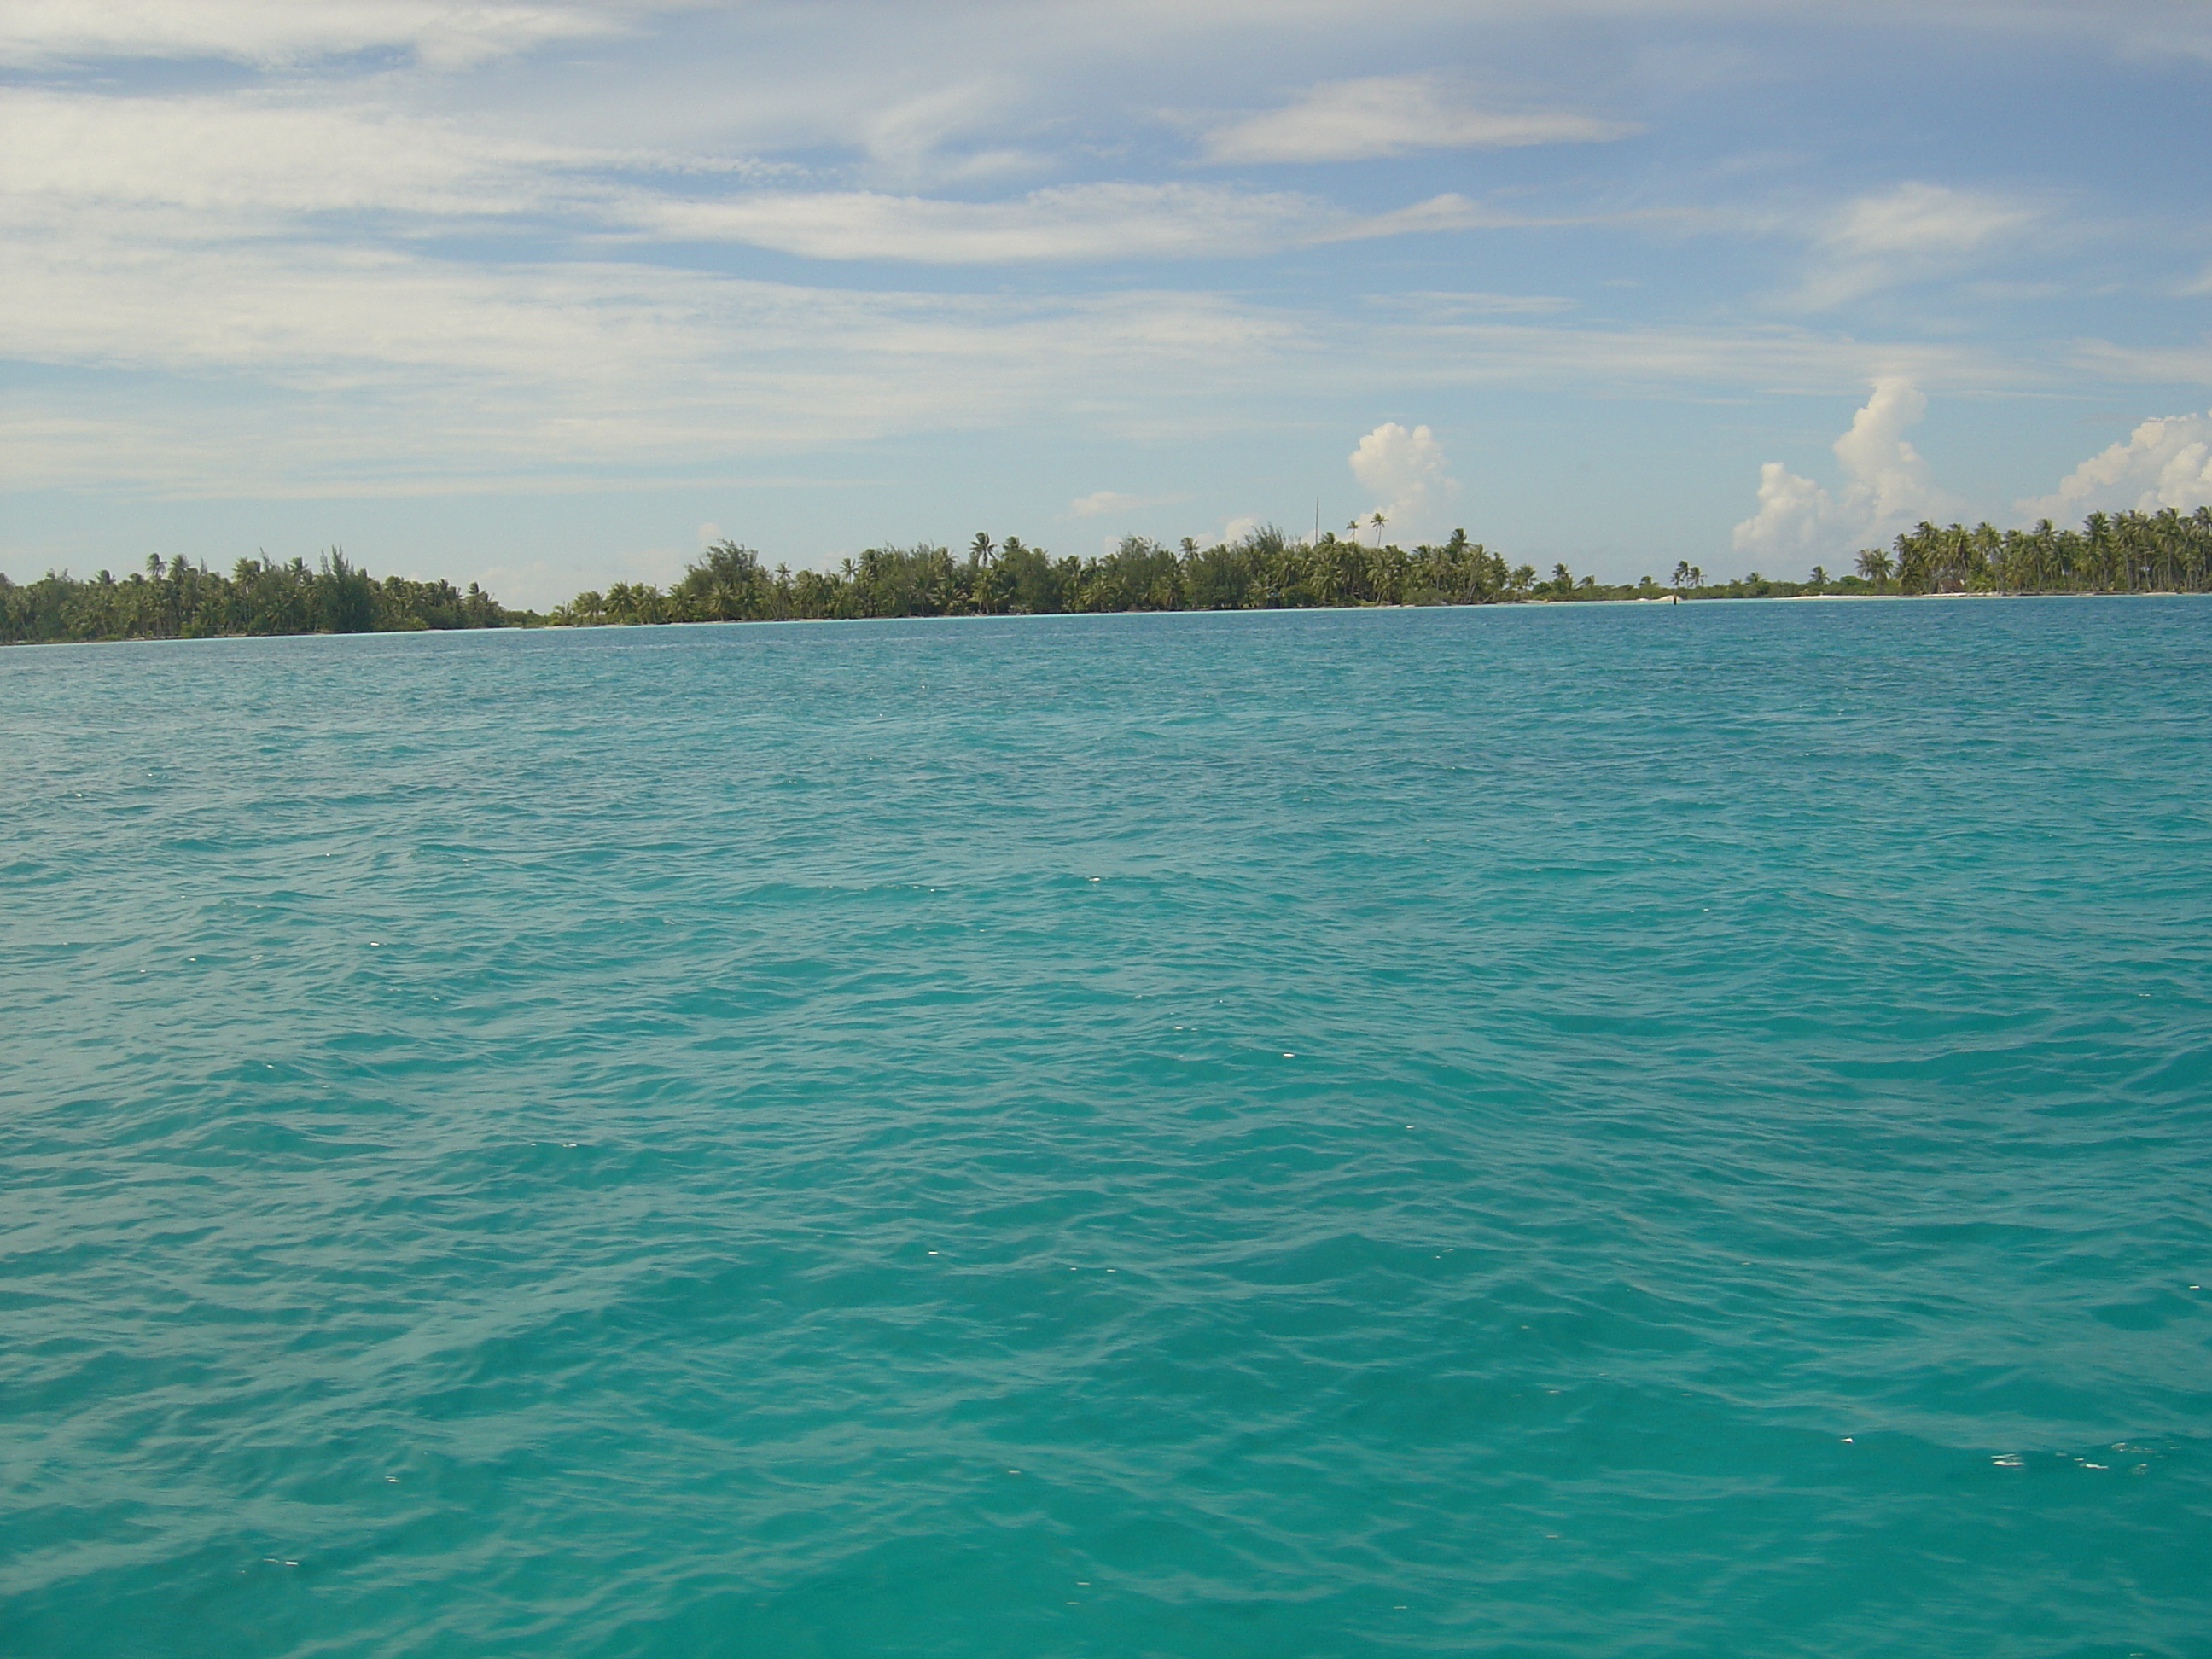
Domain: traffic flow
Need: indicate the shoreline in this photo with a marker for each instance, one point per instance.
(533, 629)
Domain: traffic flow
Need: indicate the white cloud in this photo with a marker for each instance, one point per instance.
(2166, 462)
(1395, 115)
(1886, 488)
(323, 366)
(1439, 305)
(1922, 218)
(1906, 234)
(292, 284)
(238, 165)
(275, 367)
(152, 170)
(1102, 501)
(1449, 211)
(2153, 364)
(911, 139)
(1071, 222)
(1408, 471)
(440, 35)
(1681, 359)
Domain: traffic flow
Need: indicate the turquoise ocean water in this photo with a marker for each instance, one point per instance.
(1595, 1130)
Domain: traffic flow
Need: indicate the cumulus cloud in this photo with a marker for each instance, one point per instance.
(1887, 486)
(2166, 462)
(1409, 472)
(1906, 234)
(1395, 115)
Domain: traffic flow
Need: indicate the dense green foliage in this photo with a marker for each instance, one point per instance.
(1266, 570)
(180, 600)
(2119, 553)
(2125, 552)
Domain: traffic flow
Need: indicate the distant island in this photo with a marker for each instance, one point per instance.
(176, 600)
(2120, 553)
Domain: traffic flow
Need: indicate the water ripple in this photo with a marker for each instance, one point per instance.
(1551, 1132)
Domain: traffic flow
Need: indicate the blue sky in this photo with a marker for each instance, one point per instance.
(543, 295)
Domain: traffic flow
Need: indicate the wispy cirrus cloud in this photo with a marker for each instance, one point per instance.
(283, 32)
(1907, 234)
(272, 163)
(145, 170)
(1379, 116)
(1689, 360)
(1445, 304)
(2176, 364)
(254, 162)
(1072, 222)
(309, 247)
(377, 366)
(395, 370)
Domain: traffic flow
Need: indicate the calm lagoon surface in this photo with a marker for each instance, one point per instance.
(1577, 1131)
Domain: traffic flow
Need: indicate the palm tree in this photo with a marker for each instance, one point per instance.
(1874, 565)
(2097, 528)
(1918, 552)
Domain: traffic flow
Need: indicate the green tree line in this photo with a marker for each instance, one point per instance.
(1264, 570)
(2112, 553)
(2124, 552)
(178, 600)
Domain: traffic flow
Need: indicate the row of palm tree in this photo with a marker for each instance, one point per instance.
(1264, 570)
(2124, 552)
(2165, 551)
(177, 599)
